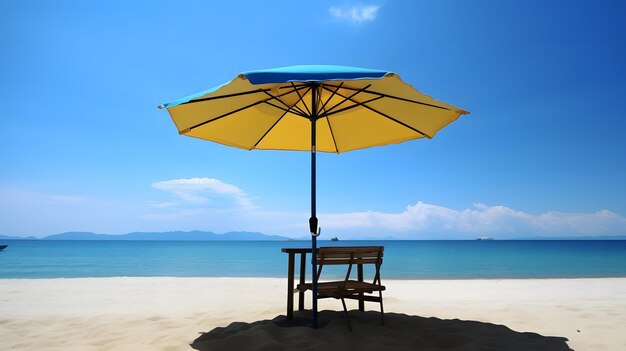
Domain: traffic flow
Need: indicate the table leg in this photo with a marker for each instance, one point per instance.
(360, 277)
(302, 276)
(290, 286)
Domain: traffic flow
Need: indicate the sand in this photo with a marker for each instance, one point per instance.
(246, 313)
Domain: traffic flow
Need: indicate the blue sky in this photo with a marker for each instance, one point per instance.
(84, 148)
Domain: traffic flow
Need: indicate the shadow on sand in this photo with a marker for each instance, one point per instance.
(400, 332)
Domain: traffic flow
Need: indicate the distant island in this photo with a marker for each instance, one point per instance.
(155, 236)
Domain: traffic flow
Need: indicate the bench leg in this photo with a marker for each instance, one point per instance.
(382, 311)
(290, 286)
(302, 276)
(345, 310)
(360, 279)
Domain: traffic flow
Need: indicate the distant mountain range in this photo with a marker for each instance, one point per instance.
(183, 236)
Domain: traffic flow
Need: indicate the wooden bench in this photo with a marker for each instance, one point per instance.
(350, 288)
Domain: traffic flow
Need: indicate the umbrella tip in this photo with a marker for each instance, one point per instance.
(242, 76)
(160, 107)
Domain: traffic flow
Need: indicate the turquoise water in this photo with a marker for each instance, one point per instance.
(403, 259)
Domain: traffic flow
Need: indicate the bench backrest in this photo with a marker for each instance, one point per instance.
(350, 255)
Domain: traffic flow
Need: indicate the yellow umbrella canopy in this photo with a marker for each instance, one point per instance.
(272, 110)
(316, 108)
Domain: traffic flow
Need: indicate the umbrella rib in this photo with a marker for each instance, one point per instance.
(289, 108)
(283, 115)
(331, 96)
(323, 108)
(296, 107)
(294, 111)
(224, 96)
(389, 117)
(332, 134)
(269, 130)
(299, 111)
(345, 98)
(318, 103)
(351, 107)
(301, 97)
(397, 98)
(230, 113)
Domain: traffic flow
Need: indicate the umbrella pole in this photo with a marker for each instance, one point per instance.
(313, 219)
(313, 228)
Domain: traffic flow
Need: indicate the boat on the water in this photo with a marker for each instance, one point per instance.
(2, 247)
(334, 239)
(482, 238)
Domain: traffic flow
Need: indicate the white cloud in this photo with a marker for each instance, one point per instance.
(596, 222)
(206, 191)
(418, 221)
(210, 204)
(355, 14)
(432, 220)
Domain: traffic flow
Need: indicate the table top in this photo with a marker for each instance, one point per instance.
(296, 250)
(302, 250)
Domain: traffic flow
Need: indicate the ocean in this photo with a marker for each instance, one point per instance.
(467, 259)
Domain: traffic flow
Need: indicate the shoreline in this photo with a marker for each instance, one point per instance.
(130, 313)
(444, 278)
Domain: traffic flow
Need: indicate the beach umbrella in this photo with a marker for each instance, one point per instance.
(311, 108)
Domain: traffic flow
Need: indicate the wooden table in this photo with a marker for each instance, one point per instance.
(291, 276)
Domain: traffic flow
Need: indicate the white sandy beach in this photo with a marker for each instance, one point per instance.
(170, 313)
